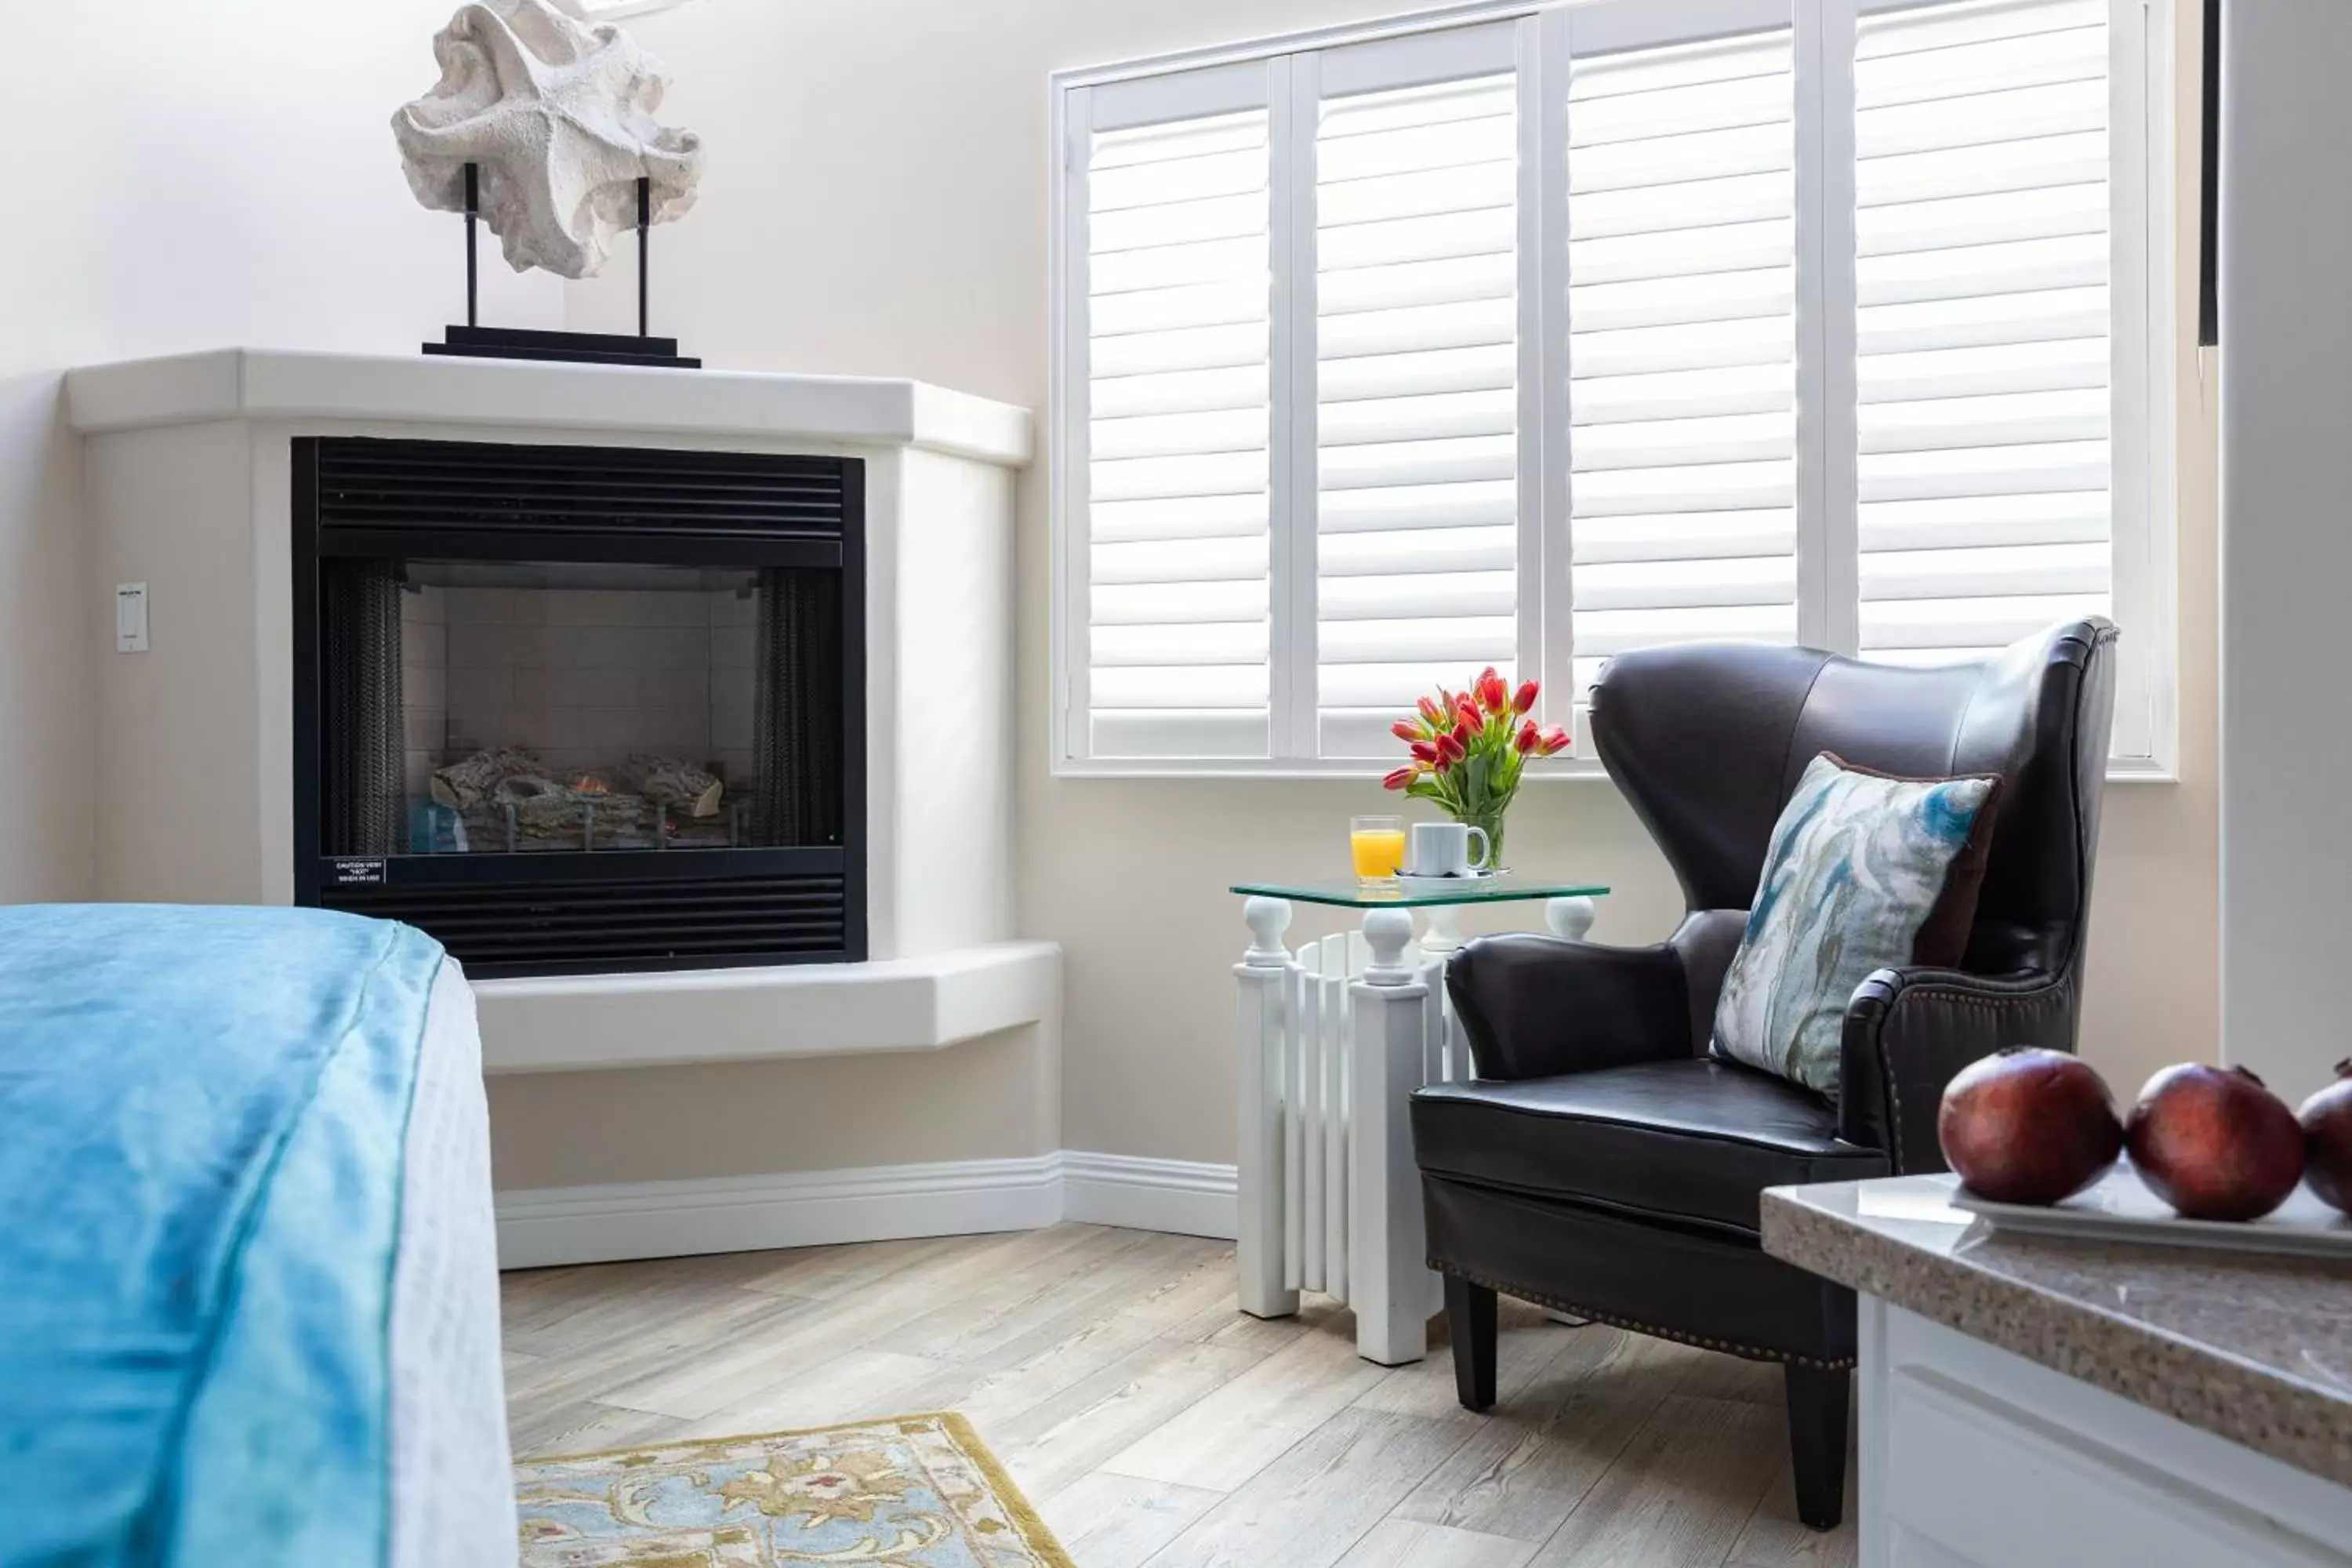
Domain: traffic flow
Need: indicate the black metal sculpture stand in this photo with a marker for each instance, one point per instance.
(474, 340)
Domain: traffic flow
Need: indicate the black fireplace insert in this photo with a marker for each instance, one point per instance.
(578, 710)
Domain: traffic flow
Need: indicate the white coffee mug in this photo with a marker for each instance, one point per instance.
(1442, 849)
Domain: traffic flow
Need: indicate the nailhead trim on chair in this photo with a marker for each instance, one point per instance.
(1751, 1351)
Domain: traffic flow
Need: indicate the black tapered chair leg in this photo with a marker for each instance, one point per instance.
(1817, 1420)
(1470, 1320)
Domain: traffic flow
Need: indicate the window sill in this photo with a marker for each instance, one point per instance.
(1580, 770)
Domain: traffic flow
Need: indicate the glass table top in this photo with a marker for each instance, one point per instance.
(1353, 895)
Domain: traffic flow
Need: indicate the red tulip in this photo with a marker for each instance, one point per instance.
(1425, 751)
(1431, 711)
(1399, 778)
(1405, 730)
(1526, 739)
(1462, 733)
(1452, 748)
(1467, 715)
(1525, 696)
(1494, 692)
(1554, 741)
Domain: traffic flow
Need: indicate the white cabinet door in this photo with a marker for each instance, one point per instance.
(1973, 1458)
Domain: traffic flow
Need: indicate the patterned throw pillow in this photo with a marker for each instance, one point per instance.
(1864, 872)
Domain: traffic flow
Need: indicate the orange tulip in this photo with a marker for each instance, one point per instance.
(1525, 696)
(1431, 711)
(1494, 692)
(1405, 730)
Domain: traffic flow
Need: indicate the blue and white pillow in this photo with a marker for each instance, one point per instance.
(1864, 872)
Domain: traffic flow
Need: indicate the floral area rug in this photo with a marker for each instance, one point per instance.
(918, 1492)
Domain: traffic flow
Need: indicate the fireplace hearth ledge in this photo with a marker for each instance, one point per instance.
(574, 1022)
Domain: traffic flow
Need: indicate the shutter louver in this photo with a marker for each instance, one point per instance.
(1982, 228)
(1178, 338)
(1417, 325)
(1682, 346)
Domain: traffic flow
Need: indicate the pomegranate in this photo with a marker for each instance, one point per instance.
(2214, 1142)
(2028, 1126)
(2326, 1118)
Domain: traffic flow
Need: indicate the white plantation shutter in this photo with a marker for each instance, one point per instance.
(1416, 193)
(1983, 315)
(1178, 344)
(1533, 336)
(1682, 345)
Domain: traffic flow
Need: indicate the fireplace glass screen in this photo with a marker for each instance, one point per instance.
(525, 708)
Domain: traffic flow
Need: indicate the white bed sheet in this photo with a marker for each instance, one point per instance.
(452, 1472)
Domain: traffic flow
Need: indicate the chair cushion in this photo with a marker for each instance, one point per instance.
(1864, 872)
(1688, 1138)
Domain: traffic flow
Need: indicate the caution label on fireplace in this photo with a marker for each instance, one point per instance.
(356, 873)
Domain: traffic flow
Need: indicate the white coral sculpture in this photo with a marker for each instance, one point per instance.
(560, 116)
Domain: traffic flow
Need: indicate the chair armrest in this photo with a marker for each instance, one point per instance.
(1908, 1033)
(1535, 1006)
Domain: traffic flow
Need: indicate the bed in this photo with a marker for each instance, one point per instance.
(248, 1291)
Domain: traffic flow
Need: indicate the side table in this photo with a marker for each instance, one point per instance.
(1334, 1038)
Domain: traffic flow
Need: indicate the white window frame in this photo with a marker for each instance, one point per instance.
(2142, 515)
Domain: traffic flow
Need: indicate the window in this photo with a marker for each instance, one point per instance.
(1533, 333)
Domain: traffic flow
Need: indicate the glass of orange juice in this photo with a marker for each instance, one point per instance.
(1378, 845)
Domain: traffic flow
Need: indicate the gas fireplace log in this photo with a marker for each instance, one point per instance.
(461, 786)
(546, 809)
(547, 812)
(667, 780)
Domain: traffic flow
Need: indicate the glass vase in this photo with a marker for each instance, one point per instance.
(1491, 823)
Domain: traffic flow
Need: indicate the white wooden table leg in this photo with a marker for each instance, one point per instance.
(1263, 975)
(1569, 919)
(1445, 933)
(1389, 1284)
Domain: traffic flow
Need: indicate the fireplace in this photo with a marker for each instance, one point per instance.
(577, 710)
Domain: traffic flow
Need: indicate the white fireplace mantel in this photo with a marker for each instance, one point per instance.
(291, 385)
(190, 492)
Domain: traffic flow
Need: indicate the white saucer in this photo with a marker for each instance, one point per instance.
(1423, 886)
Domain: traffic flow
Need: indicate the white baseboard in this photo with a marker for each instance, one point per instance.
(555, 1225)
(755, 1213)
(1177, 1195)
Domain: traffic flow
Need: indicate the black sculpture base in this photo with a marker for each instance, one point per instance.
(577, 348)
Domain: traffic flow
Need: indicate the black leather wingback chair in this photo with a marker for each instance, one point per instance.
(1602, 1162)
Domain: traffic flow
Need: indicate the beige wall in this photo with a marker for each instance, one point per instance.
(877, 204)
(200, 175)
(991, 1099)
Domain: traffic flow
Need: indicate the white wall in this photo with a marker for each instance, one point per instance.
(188, 175)
(2286, 550)
(875, 204)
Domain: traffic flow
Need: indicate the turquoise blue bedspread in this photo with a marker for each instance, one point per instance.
(202, 1121)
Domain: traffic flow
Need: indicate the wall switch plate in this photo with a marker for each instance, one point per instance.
(131, 617)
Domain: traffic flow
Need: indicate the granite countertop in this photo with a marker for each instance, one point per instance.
(2256, 1349)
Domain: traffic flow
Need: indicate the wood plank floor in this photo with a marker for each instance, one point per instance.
(1153, 1423)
